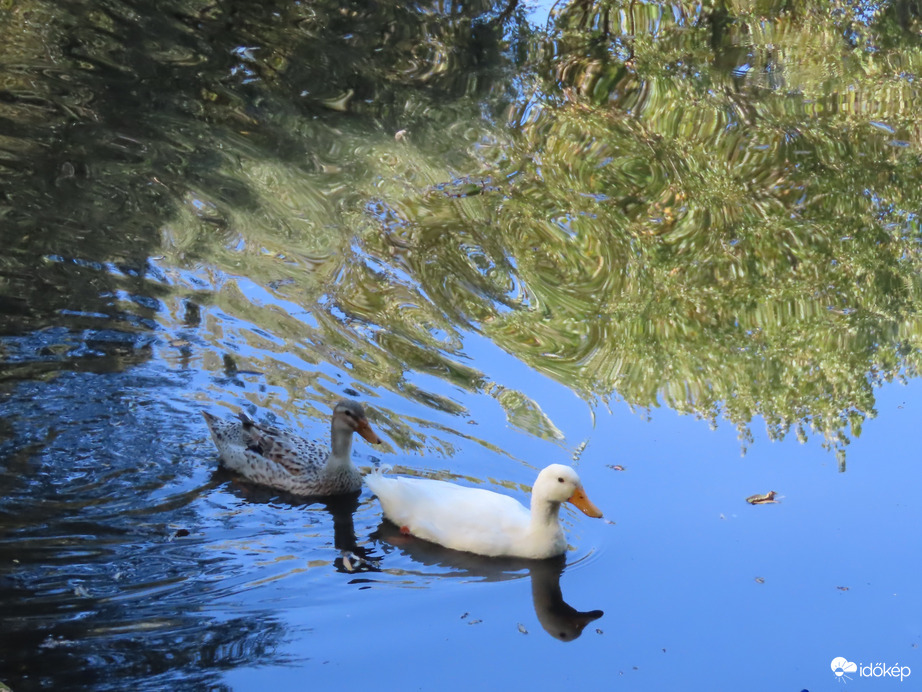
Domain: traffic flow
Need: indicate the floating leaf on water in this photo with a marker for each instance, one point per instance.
(763, 499)
(522, 628)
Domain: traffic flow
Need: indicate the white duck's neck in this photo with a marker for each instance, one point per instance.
(340, 457)
(545, 533)
(545, 515)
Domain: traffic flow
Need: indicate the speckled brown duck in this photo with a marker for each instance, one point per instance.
(286, 461)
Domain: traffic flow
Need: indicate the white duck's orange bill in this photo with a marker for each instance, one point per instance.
(579, 500)
(364, 429)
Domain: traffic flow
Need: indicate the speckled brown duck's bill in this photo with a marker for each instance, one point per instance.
(364, 429)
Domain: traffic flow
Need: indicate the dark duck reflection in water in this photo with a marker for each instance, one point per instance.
(286, 461)
(558, 618)
(352, 557)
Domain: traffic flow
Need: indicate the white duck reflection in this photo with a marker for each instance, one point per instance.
(558, 618)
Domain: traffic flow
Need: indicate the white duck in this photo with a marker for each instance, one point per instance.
(481, 521)
(284, 460)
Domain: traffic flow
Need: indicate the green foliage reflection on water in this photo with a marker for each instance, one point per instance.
(712, 207)
(689, 232)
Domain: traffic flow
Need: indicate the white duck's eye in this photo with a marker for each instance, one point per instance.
(560, 479)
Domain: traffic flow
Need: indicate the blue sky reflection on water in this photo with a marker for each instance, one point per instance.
(676, 576)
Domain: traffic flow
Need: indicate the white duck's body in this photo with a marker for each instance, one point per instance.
(481, 521)
(283, 460)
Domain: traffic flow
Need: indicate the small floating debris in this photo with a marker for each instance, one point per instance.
(81, 591)
(179, 533)
(522, 628)
(763, 499)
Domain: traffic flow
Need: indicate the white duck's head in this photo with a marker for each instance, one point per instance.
(558, 483)
(349, 417)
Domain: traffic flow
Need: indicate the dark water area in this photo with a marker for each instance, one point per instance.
(639, 239)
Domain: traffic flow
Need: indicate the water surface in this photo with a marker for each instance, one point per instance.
(677, 247)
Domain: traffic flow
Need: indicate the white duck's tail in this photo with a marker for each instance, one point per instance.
(373, 478)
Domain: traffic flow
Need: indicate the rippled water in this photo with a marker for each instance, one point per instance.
(520, 235)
